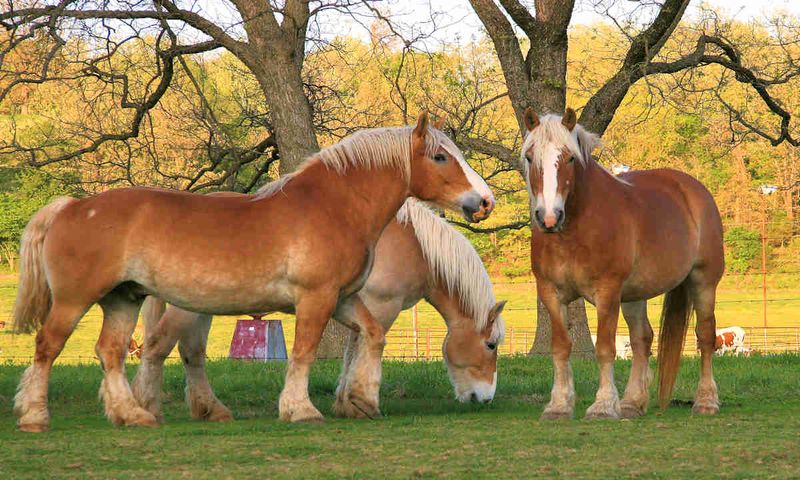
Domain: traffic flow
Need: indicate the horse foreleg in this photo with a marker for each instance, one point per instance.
(341, 405)
(119, 320)
(361, 400)
(30, 403)
(203, 403)
(637, 393)
(313, 311)
(606, 403)
(562, 397)
(159, 340)
(706, 399)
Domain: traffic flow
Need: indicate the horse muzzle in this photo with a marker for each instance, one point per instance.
(549, 222)
(476, 208)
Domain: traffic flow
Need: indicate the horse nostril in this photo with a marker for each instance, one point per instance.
(473, 397)
(485, 203)
(538, 215)
(559, 215)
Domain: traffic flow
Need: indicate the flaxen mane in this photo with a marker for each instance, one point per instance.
(453, 260)
(579, 141)
(370, 149)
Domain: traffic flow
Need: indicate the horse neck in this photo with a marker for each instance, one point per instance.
(368, 199)
(448, 305)
(592, 186)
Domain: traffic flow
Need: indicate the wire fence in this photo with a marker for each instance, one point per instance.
(426, 343)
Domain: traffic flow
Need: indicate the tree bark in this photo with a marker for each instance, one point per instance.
(333, 340)
(577, 326)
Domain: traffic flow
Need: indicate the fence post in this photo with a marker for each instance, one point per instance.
(428, 345)
(415, 326)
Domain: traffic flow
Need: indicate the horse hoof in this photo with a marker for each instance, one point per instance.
(360, 408)
(33, 427)
(220, 414)
(705, 409)
(630, 410)
(603, 411)
(549, 415)
(140, 418)
(301, 414)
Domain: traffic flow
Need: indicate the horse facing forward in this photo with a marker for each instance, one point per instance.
(419, 255)
(619, 241)
(319, 225)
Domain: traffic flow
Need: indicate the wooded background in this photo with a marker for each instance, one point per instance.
(206, 96)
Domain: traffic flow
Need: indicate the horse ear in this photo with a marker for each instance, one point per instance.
(496, 310)
(422, 125)
(530, 118)
(439, 123)
(570, 119)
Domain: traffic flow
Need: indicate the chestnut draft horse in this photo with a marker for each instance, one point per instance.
(419, 255)
(309, 250)
(620, 240)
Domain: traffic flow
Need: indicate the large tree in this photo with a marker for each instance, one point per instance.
(538, 77)
(269, 38)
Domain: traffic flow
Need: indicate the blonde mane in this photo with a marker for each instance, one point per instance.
(579, 141)
(369, 149)
(453, 260)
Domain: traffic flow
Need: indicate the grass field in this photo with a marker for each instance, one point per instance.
(739, 303)
(425, 433)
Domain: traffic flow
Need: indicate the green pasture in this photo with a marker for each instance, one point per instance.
(425, 433)
(739, 303)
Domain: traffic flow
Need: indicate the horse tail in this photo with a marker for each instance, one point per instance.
(674, 322)
(34, 297)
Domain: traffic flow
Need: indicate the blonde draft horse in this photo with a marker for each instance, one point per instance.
(617, 242)
(309, 250)
(418, 256)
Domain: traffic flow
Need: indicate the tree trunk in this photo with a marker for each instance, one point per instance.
(333, 340)
(291, 112)
(577, 326)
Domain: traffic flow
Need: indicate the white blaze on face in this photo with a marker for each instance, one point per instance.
(478, 184)
(549, 199)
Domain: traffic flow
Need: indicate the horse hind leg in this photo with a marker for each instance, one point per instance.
(120, 312)
(637, 393)
(706, 399)
(30, 402)
(203, 403)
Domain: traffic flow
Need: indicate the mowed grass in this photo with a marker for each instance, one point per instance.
(739, 304)
(425, 433)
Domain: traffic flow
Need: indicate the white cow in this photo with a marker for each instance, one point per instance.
(623, 345)
(731, 339)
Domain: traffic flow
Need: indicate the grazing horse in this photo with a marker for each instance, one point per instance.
(418, 256)
(310, 249)
(619, 241)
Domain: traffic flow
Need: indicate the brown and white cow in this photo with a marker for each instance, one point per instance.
(731, 339)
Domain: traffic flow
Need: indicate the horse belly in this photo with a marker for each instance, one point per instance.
(234, 289)
(651, 281)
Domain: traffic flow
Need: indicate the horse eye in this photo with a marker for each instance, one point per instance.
(440, 157)
(571, 159)
(528, 157)
(491, 346)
